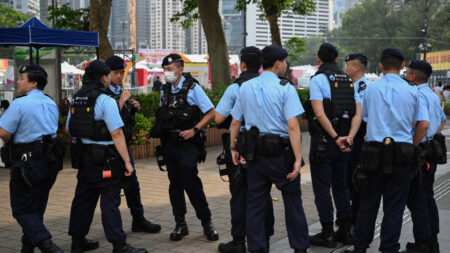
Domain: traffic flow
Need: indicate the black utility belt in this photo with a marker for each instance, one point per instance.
(382, 156)
(433, 150)
(271, 144)
(35, 148)
(101, 153)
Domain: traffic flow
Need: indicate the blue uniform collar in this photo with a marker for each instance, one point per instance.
(392, 75)
(423, 85)
(361, 79)
(267, 74)
(115, 90)
(34, 91)
(180, 84)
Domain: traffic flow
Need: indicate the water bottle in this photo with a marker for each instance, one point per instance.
(345, 115)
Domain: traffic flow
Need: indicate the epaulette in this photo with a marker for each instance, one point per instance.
(49, 96)
(20, 96)
(284, 81)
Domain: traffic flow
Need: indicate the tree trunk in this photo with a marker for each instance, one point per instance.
(100, 12)
(215, 37)
(271, 11)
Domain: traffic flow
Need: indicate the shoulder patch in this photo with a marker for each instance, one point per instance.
(362, 86)
(331, 77)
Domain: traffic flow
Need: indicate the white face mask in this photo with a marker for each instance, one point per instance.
(170, 76)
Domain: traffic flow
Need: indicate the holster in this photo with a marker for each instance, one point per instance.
(160, 158)
(21, 175)
(320, 151)
(223, 158)
(439, 149)
(418, 165)
(246, 144)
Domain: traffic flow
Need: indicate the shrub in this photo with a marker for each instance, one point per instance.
(141, 129)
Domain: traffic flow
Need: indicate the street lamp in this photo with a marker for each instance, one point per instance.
(425, 46)
(123, 23)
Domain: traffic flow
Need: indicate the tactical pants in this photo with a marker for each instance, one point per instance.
(354, 159)
(330, 173)
(262, 173)
(90, 187)
(418, 205)
(133, 192)
(238, 206)
(394, 189)
(181, 159)
(28, 205)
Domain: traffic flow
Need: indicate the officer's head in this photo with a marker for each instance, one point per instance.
(274, 59)
(98, 72)
(392, 60)
(251, 59)
(31, 77)
(173, 66)
(418, 72)
(355, 64)
(327, 54)
(117, 66)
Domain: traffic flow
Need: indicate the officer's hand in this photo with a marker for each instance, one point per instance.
(124, 96)
(136, 104)
(340, 143)
(414, 124)
(129, 169)
(295, 170)
(235, 157)
(187, 134)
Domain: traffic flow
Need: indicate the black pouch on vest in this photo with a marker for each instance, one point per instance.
(387, 155)
(371, 157)
(269, 145)
(404, 153)
(76, 149)
(98, 153)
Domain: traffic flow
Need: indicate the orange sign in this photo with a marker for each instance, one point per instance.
(438, 60)
(3, 65)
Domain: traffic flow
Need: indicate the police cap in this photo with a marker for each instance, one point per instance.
(115, 62)
(328, 49)
(171, 58)
(423, 66)
(99, 67)
(392, 52)
(360, 57)
(274, 53)
(32, 68)
(250, 50)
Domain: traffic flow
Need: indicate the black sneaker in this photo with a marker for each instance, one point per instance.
(144, 225)
(344, 235)
(81, 244)
(210, 231)
(180, 229)
(47, 246)
(232, 247)
(418, 247)
(323, 240)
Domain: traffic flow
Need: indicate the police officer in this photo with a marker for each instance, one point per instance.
(128, 108)
(355, 66)
(337, 117)
(28, 127)
(251, 58)
(272, 149)
(185, 110)
(431, 120)
(390, 106)
(103, 159)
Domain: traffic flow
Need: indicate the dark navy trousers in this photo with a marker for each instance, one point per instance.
(181, 160)
(133, 192)
(28, 205)
(353, 161)
(238, 205)
(330, 173)
(90, 187)
(394, 189)
(261, 174)
(421, 203)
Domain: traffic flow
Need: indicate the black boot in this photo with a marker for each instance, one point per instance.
(210, 231)
(324, 238)
(123, 247)
(27, 248)
(140, 224)
(356, 250)
(47, 246)
(419, 246)
(180, 230)
(81, 244)
(235, 246)
(344, 233)
(300, 250)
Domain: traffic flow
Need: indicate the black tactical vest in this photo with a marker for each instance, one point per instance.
(127, 114)
(342, 92)
(82, 123)
(175, 111)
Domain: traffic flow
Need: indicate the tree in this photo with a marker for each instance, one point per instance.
(68, 18)
(99, 13)
(9, 17)
(208, 12)
(273, 9)
(295, 46)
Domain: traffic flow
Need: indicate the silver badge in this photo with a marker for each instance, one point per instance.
(24, 67)
(332, 77)
(169, 59)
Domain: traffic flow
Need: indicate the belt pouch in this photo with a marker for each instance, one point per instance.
(436, 150)
(370, 157)
(38, 149)
(270, 145)
(429, 151)
(250, 144)
(404, 153)
(387, 157)
(98, 153)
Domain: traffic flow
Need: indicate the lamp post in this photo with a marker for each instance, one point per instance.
(123, 23)
(425, 45)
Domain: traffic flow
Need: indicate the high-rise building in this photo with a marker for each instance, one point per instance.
(258, 31)
(340, 7)
(29, 7)
(233, 23)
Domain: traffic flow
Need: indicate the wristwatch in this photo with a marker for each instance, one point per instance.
(335, 138)
(196, 130)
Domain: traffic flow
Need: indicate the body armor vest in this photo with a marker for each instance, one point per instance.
(342, 92)
(82, 123)
(127, 114)
(175, 111)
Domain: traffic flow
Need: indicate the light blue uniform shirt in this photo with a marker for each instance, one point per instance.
(361, 93)
(115, 90)
(228, 100)
(390, 106)
(105, 109)
(319, 88)
(430, 110)
(267, 104)
(31, 117)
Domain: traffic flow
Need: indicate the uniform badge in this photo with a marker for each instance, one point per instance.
(24, 67)
(332, 78)
(169, 59)
(351, 85)
(362, 86)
